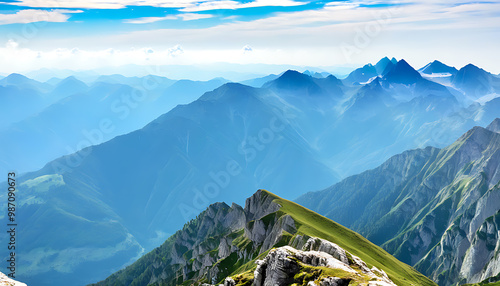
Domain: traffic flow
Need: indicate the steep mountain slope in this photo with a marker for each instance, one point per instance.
(386, 117)
(92, 115)
(402, 73)
(476, 82)
(226, 241)
(258, 82)
(384, 65)
(26, 83)
(368, 72)
(429, 207)
(136, 189)
(12, 98)
(361, 75)
(67, 87)
(494, 125)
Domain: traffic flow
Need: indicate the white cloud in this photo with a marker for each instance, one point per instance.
(188, 5)
(231, 5)
(421, 32)
(11, 44)
(33, 16)
(147, 20)
(184, 17)
(194, 16)
(20, 59)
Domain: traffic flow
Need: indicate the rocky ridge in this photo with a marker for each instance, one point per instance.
(208, 247)
(270, 241)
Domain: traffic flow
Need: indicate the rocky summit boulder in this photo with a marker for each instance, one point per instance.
(320, 262)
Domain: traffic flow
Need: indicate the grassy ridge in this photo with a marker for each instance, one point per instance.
(313, 224)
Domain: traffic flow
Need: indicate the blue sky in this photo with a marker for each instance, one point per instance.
(91, 34)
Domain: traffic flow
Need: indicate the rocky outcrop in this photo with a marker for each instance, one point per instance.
(284, 266)
(207, 247)
(482, 261)
(317, 244)
(260, 205)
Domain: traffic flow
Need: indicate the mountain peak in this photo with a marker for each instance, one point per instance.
(381, 65)
(71, 80)
(290, 79)
(261, 203)
(228, 89)
(16, 78)
(470, 68)
(474, 81)
(403, 73)
(438, 67)
(494, 125)
(294, 75)
(295, 82)
(476, 140)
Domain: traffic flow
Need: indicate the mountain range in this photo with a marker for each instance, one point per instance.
(122, 197)
(111, 106)
(436, 209)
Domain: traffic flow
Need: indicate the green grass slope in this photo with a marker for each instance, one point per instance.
(312, 224)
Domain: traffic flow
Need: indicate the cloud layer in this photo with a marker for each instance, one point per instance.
(33, 16)
(335, 33)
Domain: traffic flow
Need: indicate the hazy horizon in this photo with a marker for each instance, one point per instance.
(87, 35)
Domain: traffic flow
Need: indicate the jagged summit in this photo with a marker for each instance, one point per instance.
(384, 65)
(403, 73)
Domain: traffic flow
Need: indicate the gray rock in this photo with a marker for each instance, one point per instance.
(260, 205)
(229, 282)
(331, 248)
(334, 281)
(281, 265)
